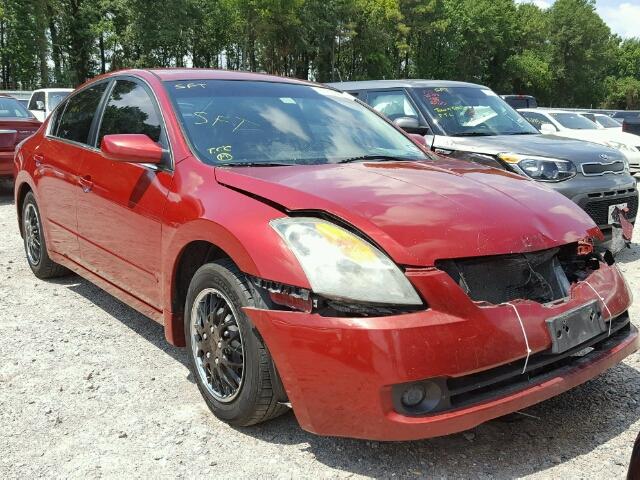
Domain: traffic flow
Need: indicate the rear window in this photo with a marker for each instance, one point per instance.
(12, 108)
(521, 102)
(573, 121)
(75, 121)
(607, 122)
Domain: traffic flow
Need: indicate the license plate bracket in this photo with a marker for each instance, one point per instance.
(612, 208)
(575, 327)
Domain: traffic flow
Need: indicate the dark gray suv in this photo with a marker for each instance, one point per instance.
(471, 122)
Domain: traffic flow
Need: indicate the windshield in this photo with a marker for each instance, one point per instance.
(55, 98)
(607, 122)
(12, 108)
(573, 121)
(241, 122)
(469, 111)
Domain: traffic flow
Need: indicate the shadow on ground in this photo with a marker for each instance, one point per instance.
(150, 330)
(565, 427)
(628, 255)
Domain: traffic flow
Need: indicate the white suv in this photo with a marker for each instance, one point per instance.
(43, 101)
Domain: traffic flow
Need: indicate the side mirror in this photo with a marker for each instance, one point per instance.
(39, 105)
(547, 128)
(131, 147)
(407, 123)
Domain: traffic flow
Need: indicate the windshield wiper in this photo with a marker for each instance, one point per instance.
(378, 158)
(520, 133)
(473, 134)
(257, 164)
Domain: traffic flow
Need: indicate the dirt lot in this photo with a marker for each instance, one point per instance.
(90, 388)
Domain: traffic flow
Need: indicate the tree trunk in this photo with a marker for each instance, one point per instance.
(103, 59)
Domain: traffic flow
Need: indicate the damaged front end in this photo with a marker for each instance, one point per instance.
(545, 276)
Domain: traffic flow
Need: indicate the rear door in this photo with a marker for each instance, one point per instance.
(58, 162)
(120, 210)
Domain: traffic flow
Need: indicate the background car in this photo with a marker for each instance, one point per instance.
(604, 121)
(43, 101)
(308, 254)
(574, 125)
(471, 122)
(521, 101)
(16, 124)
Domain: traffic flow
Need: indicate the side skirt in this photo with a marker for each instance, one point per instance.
(122, 295)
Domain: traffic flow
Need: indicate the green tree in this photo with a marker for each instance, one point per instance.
(582, 52)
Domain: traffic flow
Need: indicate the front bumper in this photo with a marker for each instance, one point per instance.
(339, 372)
(595, 194)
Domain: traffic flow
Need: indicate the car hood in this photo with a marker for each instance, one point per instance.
(603, 136)
(419, 212)
(577, 151)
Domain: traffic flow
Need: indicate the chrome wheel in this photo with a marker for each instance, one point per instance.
(217, 345)
(32, 234)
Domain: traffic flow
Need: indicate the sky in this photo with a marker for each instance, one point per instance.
(622, 16)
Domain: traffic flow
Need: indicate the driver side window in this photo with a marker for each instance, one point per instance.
(130, 109)
(392, 104)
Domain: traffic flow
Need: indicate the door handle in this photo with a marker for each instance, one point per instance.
(38, 159)
(85, 183)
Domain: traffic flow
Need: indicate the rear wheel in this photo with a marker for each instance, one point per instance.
(231, 365)
(35, 244)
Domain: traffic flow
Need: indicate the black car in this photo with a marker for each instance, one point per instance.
(520, 101)
(471, 122)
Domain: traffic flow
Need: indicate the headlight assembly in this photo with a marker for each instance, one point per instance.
(543, 169)
(343, 266)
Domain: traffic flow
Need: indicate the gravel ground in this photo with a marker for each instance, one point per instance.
(90, 388)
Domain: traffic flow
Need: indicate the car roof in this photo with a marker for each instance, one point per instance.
(47, 90)
(406, 83)
(176, 74)
(547, 110)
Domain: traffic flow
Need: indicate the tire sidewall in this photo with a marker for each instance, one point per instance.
(31, 200)
(214, 275)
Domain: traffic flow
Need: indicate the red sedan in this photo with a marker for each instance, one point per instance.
(16, 124)
(309, 255)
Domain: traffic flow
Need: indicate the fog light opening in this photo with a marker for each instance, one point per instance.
(412, 396)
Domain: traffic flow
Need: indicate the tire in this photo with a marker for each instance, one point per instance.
(259, 392)
(41, 264)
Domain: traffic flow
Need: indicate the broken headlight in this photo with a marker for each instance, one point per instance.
(341, 265)
(543, 169)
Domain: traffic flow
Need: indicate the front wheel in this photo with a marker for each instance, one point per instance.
(231, 365)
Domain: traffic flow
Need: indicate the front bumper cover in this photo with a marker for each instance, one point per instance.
(339, 373)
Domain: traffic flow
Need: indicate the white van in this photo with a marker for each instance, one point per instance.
(43, 101)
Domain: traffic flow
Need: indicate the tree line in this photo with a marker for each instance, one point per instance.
(565, 55)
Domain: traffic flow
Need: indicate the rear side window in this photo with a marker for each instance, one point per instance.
(35, 98)
(130, 109)
(75, 122)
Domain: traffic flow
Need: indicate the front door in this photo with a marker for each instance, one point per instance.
(120, 210)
